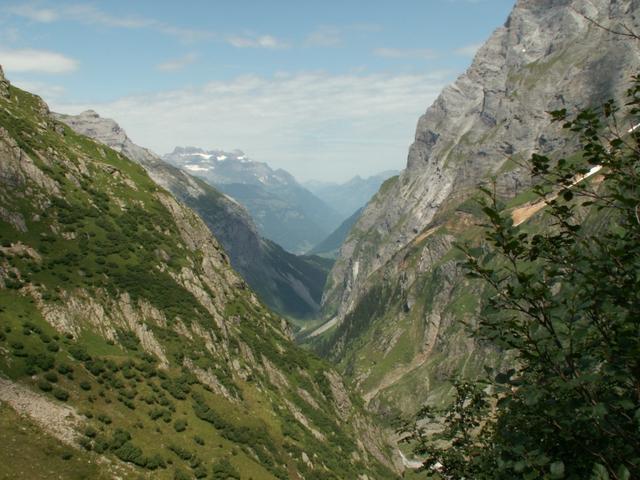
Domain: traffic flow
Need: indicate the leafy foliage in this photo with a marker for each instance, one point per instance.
(566, 303)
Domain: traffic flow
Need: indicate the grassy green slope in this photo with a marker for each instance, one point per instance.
(117, 303)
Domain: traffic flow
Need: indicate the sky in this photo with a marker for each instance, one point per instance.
(325, 89)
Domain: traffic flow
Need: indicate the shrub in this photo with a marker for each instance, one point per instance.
(79, 352)
(51, 377)
(44, 385)
(106, 419)
(180, 425)
(43, 361)
(60, 394)
(181, 475)
(64, 369)
(155, 461)
(180, 452)
(224, 470)
(200, 472)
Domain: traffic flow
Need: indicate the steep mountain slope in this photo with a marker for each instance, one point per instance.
(395, 299)
(292, 285)
(129, 348)
(330, 246)
(346, 198)
(284, 211)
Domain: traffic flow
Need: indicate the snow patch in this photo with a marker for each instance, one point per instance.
(197, 168)
(206, 156)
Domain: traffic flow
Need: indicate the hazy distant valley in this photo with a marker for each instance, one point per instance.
(286, 212)
(203, 314)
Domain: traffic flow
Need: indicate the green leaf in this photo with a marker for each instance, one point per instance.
(518, 467)
(557, 469)
(599, 473)
(622, 473)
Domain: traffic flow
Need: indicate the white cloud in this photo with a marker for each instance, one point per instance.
(177, 63)
(424, 53)
(468, 50)
(325, 36)
(90, 15)
(34, 13)
(256, 41)
(43, 61)
(315, 125)
(333, 35)
(45, 90)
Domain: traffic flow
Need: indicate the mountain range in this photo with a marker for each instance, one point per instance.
(348, 197)
(290, 284)
(396, 301)
(283, 210)
(136, 335)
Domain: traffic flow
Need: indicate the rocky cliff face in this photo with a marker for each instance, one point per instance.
(290, 284)
(129, 345)
(547, 56)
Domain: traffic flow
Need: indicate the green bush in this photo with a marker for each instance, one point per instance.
(64, 369)
(106, 419)
(180, 452)
(224, 470)
(60, 394)
(180, 425)
(44, 385)
(181, 475)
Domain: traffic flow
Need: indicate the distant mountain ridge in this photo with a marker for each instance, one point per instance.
(330, 246)
(352, 195)
(290, 284)
(283, 210)
(219, 167)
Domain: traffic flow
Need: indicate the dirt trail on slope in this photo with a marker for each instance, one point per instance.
(395, 375)
(522, 214)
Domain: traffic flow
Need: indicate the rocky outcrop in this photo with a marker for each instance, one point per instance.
(4, 84)
(547, 56)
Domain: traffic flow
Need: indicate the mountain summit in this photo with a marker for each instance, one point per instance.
(283, 210)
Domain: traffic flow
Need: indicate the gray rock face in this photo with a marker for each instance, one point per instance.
(291, 285)
(4, 84)
(546, 56)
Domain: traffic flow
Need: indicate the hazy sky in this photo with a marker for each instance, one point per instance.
(324, 89)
